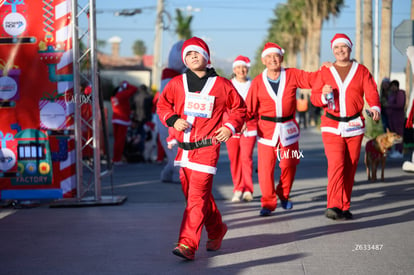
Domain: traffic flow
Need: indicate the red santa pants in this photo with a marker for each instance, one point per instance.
(240, 151)
(119, 132)
(288, 160)
(343, 156)
(201, 208)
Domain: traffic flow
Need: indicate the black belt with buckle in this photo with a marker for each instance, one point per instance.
(195, 145)
(342, 119)
(276, 119)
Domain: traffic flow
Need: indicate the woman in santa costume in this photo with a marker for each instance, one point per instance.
(194, 103)
(240, 146)
(121, 112)
(342, 124)
(272, 99)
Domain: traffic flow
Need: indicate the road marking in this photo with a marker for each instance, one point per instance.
(5, 213)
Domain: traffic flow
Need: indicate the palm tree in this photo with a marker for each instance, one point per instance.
(287, 30)
(314, 13)
(297, 27)
(385, 49)
(139, 48)
(183, 28)
(367, 58)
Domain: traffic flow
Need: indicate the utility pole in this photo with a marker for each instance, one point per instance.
(156, 66)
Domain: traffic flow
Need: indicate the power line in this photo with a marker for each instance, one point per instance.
(236, 29)
(128, 9)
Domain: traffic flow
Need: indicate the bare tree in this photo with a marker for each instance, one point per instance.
(385, 44)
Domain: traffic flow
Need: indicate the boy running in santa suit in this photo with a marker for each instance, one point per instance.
(194, 103)
(240, 146)
(272, 98)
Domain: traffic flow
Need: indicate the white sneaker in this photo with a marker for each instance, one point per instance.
(236, 197)
(247, 196)
(408, 166)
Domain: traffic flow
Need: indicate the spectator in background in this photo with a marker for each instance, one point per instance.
(150, 143)
(121, 111)
(396, 115)
(302, 108)
(134, 145)
(141, 114)
(384, 91)
(142, 105)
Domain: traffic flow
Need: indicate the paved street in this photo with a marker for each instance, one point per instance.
(137, 236)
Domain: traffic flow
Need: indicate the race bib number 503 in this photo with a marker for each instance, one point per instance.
(199, 105)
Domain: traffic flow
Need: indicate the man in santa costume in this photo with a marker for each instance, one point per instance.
(272, 98)
(240, 146)
(121, 112)
(194, 103)
(342, 124)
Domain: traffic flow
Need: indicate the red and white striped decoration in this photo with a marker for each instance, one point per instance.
(63, 35)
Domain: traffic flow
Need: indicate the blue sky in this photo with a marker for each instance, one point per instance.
(228, 29)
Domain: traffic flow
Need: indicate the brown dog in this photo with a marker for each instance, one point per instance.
(376, 153)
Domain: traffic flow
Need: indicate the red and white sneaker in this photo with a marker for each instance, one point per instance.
(213, 245)
(184, 251)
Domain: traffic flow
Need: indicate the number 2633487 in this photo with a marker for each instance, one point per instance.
(368, 247)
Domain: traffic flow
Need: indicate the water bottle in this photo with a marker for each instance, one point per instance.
(331, 101)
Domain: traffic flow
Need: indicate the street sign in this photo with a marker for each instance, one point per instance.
(403, 35)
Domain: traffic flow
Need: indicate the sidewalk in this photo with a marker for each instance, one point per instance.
(137, 237)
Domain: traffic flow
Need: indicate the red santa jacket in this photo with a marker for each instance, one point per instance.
(263, 102)
(121, 109)
(349, 99)
(172, 103)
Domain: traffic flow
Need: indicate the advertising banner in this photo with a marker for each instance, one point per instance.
(37, 147)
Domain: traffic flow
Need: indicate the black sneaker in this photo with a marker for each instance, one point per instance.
(334, 213)
(287, 204)
(347, 215)
(264, 212)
